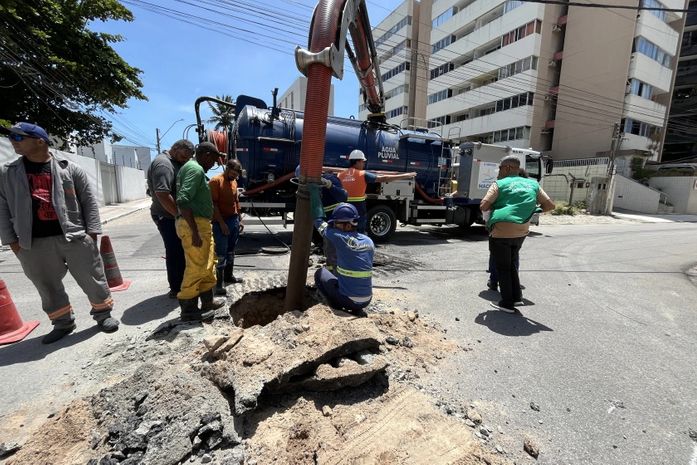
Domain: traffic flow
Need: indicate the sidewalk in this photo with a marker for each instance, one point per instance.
(646, 218)
(112, 212)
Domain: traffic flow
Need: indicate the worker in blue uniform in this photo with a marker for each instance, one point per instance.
(351, 288)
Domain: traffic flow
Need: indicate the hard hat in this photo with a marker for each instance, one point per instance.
(357, 155)
(345, 213)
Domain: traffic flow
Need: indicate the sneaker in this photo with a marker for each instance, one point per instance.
(498, 306)
(492, 286)
(58, 333)
(519, 303)
(108, 325)
(172, 294)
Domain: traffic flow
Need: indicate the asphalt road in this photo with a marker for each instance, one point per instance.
(605, 348)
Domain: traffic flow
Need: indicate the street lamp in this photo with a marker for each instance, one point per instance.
(159, 138)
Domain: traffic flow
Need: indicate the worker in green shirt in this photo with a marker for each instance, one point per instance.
(194, 229)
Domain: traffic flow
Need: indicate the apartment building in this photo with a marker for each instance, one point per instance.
(402, 40)
(556, 78)
(681, 136)
(293, 98)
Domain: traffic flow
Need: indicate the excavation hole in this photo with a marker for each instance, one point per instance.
(262, 307)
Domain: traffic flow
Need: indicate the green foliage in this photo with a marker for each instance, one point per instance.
(638, 171)
(563, 208)
(57, 73)
(223, 115)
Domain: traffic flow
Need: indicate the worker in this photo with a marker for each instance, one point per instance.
(162, 186)
(195, 231)
(355, 180)
(513, 199)
(351, 287)
(226, 222)
(49, 216)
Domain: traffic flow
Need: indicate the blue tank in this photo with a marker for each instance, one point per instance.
(269, 148)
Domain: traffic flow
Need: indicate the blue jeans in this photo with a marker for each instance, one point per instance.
(363, 215)
(174, 252)
(328, 285)
(225, 245)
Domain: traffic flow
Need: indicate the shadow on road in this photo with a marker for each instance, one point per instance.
(31, 350)
(510, 325)
(154, 308)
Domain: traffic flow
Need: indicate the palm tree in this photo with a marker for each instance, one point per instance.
(223, 115)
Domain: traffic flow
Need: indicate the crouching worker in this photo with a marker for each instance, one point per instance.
(351, 288)
(194, 229)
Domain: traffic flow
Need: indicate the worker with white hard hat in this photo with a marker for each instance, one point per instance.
(355, 180)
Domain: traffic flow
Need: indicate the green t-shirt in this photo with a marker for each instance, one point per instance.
(193, 191)
(516, 202)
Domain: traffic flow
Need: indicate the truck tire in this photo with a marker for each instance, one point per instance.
(381, 223)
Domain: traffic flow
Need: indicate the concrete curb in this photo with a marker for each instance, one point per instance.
(121, 215)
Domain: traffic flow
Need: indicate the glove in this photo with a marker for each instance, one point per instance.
(326, 183)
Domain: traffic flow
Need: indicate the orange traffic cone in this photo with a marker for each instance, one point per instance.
(12, 329)
(111, 268)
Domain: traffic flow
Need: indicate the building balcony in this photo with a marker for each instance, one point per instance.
(645, 110)
(650, 71)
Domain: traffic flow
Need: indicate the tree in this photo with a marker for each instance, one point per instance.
(57, 73)
(223, 115)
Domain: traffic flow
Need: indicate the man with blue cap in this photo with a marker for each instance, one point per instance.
(49, 216)
(351, 288)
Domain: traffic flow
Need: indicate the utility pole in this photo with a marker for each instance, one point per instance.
(157, 139)
(612, 169)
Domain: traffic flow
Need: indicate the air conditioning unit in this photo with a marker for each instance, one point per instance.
(556, 28)
(552, 63)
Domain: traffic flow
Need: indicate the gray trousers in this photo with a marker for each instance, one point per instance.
(47, 263)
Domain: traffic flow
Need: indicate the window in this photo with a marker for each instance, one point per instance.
(404, 88)
(440, 121)
(441, 70)
(655, 4)
(504, 135)
(442, 43)
(440, 95)
(511, 5)
(651, 50)
(392, 31)
(395, 50)
(517, 67)
(397, 112)
(639, 128)
(395, 71)
(521, 32)
(641, 89)
(443, 17)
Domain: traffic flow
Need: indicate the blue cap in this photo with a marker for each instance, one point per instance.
(27, 129)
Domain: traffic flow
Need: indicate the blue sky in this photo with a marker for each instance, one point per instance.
(249, 52)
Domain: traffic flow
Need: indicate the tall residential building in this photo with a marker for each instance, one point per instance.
(294, 97)
(556, 78)
(681, 137)
(402, 40)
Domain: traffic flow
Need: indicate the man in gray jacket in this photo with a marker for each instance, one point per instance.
(50, 218)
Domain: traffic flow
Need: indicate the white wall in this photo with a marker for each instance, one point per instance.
(130, 184)
(634, 196)
(681, 191)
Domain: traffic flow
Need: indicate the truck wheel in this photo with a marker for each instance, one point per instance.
(382, 222)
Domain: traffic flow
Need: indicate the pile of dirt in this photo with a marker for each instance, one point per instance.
(316, 387)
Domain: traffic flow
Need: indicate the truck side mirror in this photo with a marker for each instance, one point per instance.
(549, 166)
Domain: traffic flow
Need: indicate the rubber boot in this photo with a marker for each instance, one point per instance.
(208, 303)
(220, 284)
(191, 312)
(228, 277)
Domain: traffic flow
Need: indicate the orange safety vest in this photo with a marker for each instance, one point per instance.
(353, 181)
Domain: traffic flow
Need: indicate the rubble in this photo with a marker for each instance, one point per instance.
(531, 448)
(8, 448)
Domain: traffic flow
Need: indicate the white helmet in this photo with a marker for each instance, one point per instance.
(357, 155)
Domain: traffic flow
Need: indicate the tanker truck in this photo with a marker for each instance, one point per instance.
(451, 179)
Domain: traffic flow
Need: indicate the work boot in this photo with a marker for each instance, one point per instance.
(58, 333)
(229, 278)
(191, 312)
(209, 303)
(220, 284)
(108, 325)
